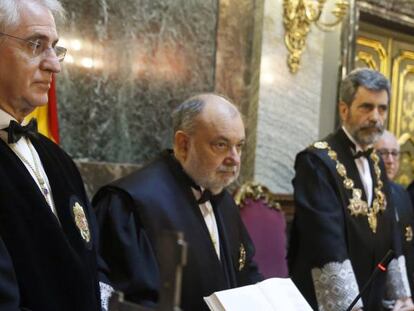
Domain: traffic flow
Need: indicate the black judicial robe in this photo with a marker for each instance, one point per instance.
(404, 209)
(45, 264)
(323, 231)
(134, 210)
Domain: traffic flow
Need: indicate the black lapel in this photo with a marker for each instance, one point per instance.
(225, 245)
(24, 179)
(64, 191)
(184, 179)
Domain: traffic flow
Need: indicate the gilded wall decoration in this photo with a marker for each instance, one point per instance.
(387, 52)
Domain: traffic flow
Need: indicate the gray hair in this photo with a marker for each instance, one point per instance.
(367, 78)
(183, 117)
(10, 11)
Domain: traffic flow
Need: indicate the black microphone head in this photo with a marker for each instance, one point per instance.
(387, 258)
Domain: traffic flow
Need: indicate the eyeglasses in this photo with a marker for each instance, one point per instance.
(389, 152)
(38, 47)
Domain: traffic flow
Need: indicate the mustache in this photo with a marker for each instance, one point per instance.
(378, 127)
(227, 169)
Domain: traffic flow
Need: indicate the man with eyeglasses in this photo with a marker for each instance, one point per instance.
(48, 256)
(181, 190)
(389, 149)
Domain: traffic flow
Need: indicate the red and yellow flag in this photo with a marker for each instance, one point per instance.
(47, 119)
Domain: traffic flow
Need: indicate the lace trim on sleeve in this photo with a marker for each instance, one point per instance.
(397, 280)
(106, 292)
(335, 286)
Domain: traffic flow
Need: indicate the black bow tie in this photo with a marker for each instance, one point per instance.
(365, 153)
(206, 195)
(16, 131)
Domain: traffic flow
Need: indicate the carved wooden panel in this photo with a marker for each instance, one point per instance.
(393, 55)
(372, 52)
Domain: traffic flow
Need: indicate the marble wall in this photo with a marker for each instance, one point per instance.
(289, 104)
(129, 63)
(405, 7)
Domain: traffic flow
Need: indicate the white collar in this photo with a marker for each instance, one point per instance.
(5, 119)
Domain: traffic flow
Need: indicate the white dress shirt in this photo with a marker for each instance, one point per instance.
(363, 169)
(210, 220)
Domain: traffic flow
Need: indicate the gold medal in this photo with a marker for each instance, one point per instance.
(81, 222)
(372, 220)
(348, 183)
(357, 206)
(320, 145)
(242, 257)
(408, 233)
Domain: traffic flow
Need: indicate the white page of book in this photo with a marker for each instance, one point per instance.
(283, 295)
(246, 298)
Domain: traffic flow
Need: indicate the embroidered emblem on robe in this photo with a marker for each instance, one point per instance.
(242, 257)
(81, 222)
(408, 234)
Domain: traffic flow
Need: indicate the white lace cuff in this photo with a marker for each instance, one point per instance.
(335, 286)
(397, 280)
(106, 292)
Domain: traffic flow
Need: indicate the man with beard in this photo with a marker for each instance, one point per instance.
(343, 224)
(389, 150)
(182, 190)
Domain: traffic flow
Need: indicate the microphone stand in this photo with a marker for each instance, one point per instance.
(172, 251)
(381, 267)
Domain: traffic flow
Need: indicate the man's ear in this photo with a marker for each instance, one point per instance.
(181, 145)
(343, 110)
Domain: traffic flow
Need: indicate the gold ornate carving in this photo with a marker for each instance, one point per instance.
(255, 191)
(298, 15)
(367, 58)
(399, 77)
(406, 171)
(402, 112)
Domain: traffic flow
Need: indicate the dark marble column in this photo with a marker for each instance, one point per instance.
(239, 43)
(129, 63)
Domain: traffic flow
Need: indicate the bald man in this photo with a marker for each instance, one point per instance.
(182, 190)
(389, 149)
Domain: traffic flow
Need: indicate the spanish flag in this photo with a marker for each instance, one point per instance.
(47, 119)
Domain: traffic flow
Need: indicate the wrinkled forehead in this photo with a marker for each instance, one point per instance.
(34, 18)
(387, 142)
(227, 126)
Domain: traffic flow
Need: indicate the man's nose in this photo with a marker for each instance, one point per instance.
(375, 115)
(50, 61)
(234, 155)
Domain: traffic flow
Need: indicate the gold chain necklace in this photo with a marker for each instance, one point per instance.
(357, 206)
(35, 170)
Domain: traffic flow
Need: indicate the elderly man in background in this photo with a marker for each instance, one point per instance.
(182, 190)
(47, 252)
(389, 149)
(343, 224)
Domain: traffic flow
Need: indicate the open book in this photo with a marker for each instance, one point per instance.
(269, 295)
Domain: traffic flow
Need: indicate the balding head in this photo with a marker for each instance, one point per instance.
(208, 137)
(389, 149)
(185, 115)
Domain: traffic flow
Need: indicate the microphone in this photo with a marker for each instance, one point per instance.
(381, 267)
